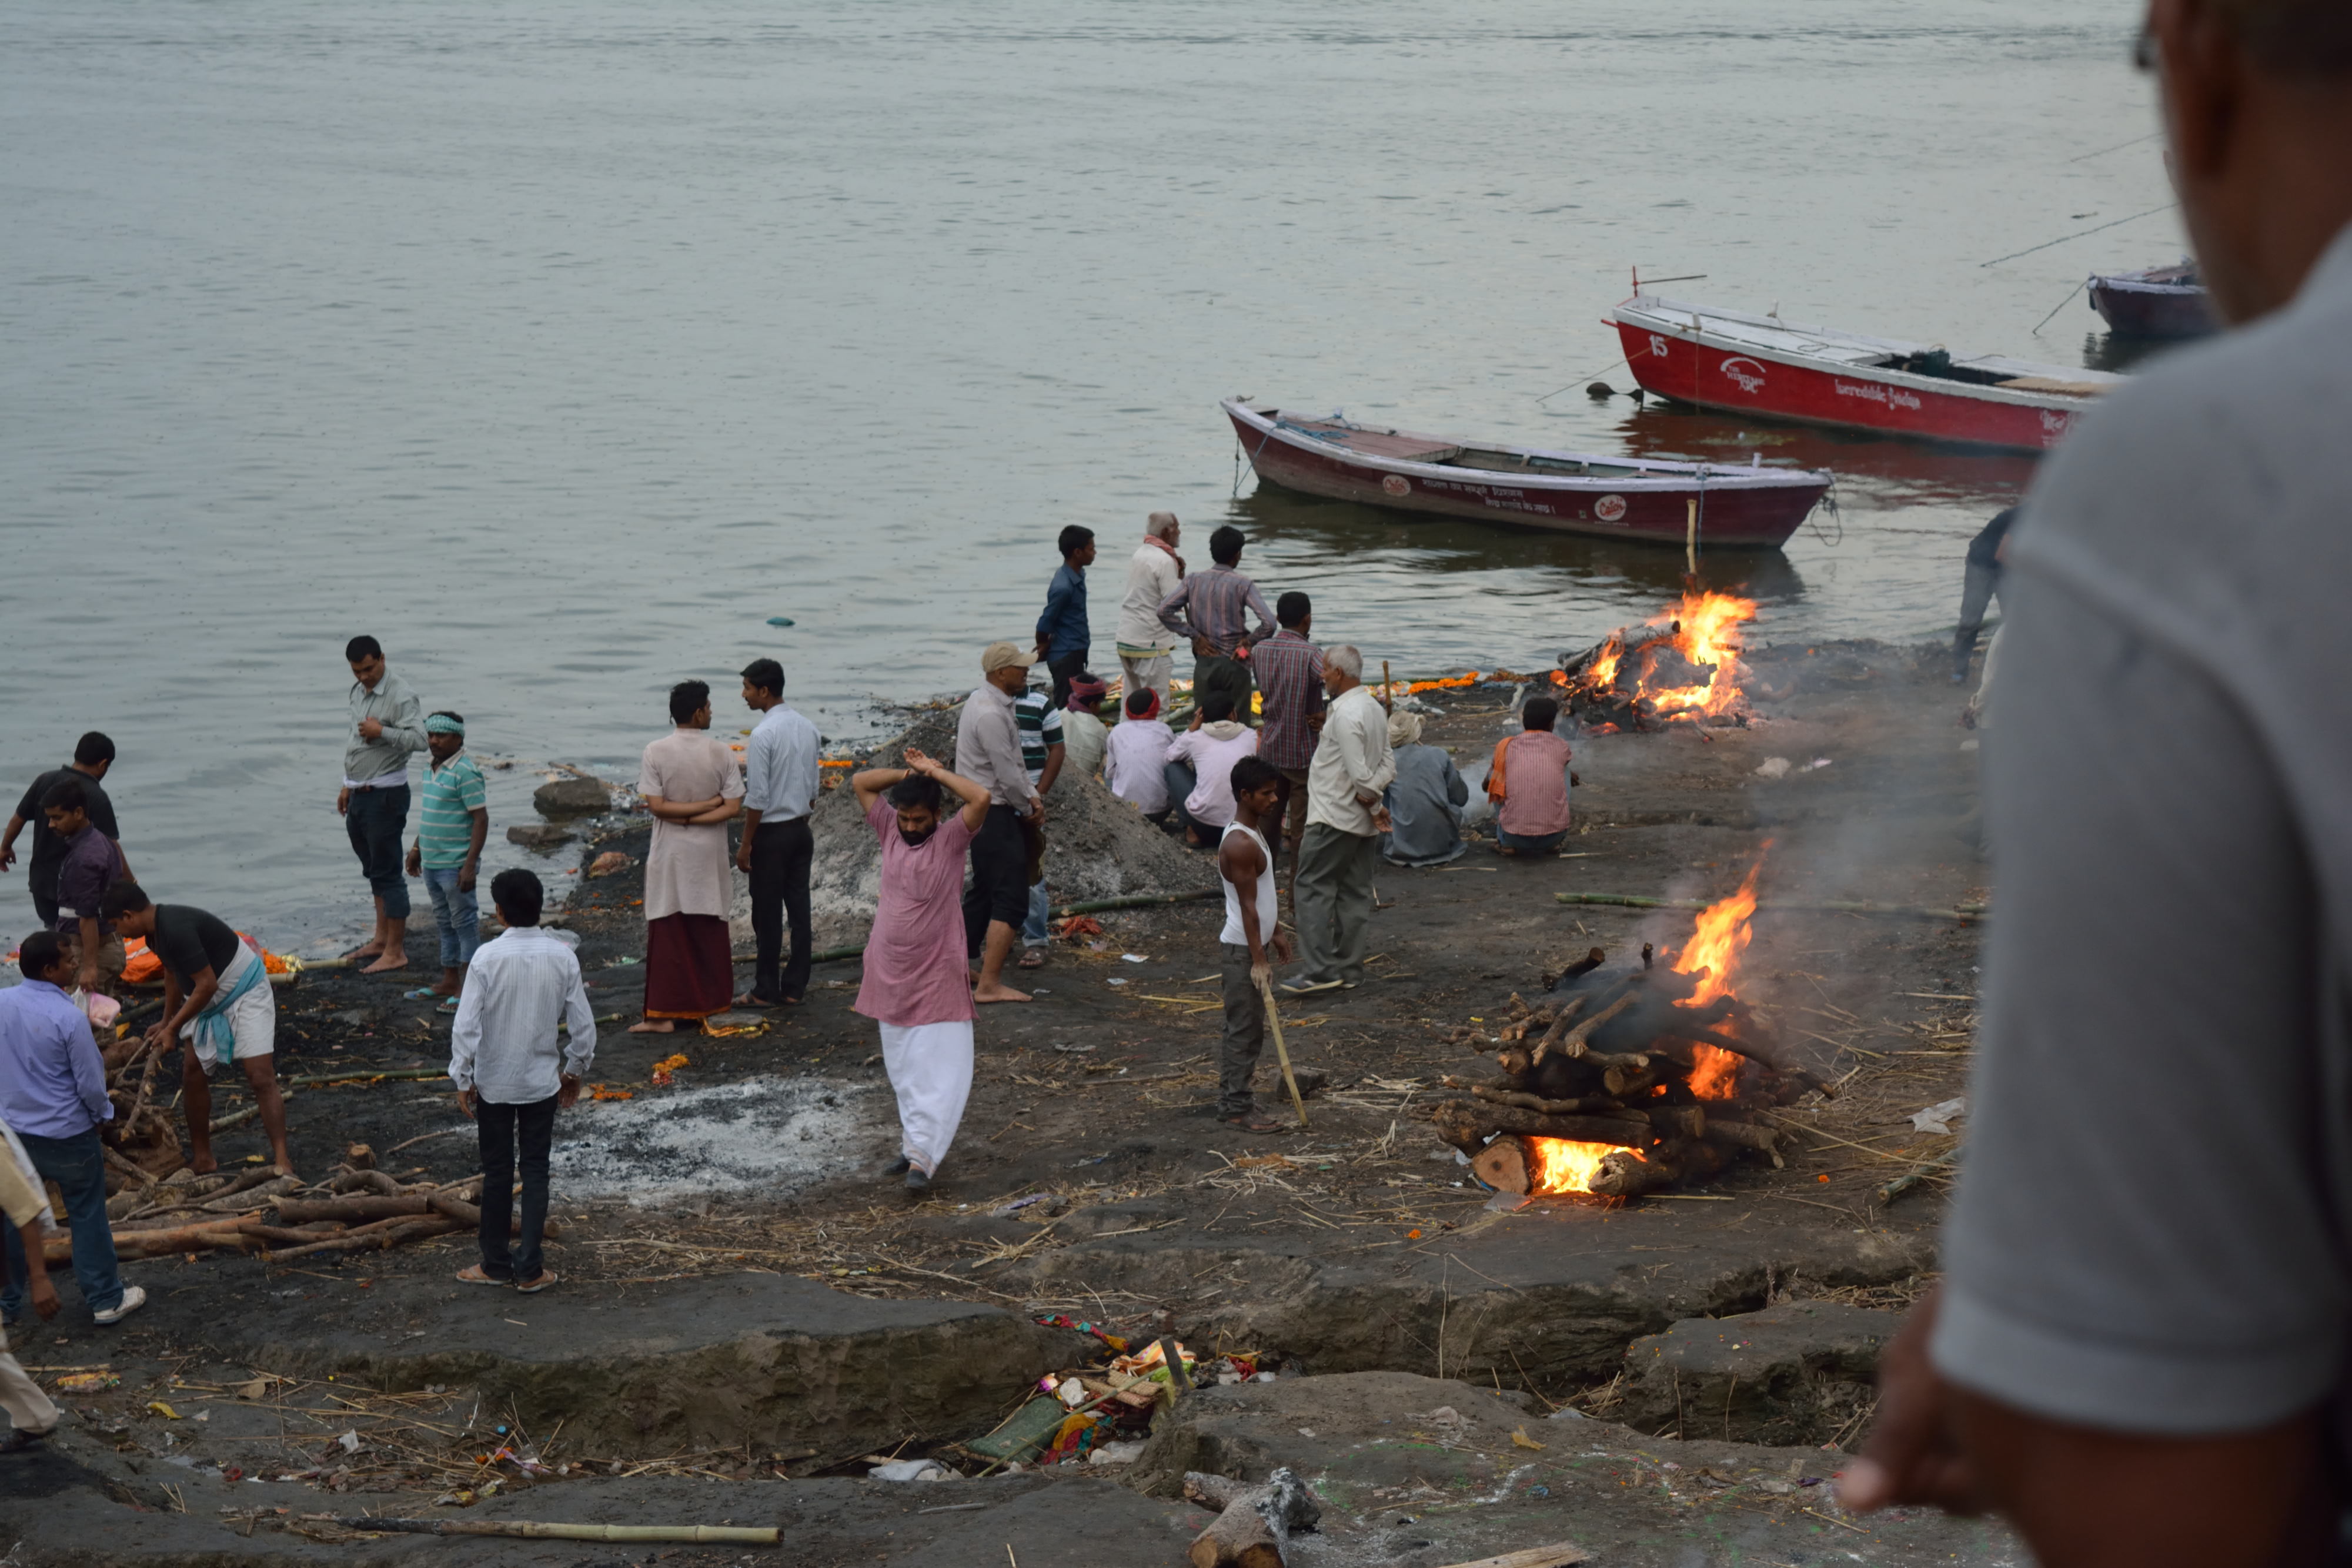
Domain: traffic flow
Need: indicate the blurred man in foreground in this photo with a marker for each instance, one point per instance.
(2137, 1353)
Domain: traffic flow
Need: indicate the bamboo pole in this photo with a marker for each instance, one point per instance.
(1690, 539)
(533, 1529)
(1967, 914)
(1282, 1052)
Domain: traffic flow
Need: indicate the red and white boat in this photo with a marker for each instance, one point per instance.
(1616, 498)
(1762, 365)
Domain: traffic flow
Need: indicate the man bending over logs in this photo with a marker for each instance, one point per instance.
(216, 987)
(918, 986)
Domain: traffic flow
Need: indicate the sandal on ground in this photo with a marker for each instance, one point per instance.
(532, 1287)
(448, 1005)
(472, 1275)
(1255, 1122)
(20, 1438)
(418, 994)
(1032, 957)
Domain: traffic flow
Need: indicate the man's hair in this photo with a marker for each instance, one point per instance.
(1293, 607)
(92, 749)
(916, 792)
(2290, 37)
(518, 893)
(1225, 545)
(1216, 708)
(1346, 660)
(359, 648)
(765, 675)
(66, 795)
(1159, 523)
(1074, 539)
(122, 896)
(1541, 712)
(40, 954)
(1254, 773)
(1139, 700)
(687, 698)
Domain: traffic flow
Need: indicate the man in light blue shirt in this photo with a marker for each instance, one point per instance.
(779, 785)
(53, 1094)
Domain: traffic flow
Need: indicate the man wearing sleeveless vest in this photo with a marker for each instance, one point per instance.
(1252, 929)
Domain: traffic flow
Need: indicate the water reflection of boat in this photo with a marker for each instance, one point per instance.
(1655, 500)
(1866, 463)
(2154, 302)
(1761, 365)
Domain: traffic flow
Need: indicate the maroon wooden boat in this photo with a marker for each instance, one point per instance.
(2155, 302)
(1614, 497)
(1753, 364)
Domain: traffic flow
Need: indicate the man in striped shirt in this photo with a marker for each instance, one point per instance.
(1041, 754)
(1290, 678)
(1211, 611)
(447, 853)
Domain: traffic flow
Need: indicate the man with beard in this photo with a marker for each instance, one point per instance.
(918, 983)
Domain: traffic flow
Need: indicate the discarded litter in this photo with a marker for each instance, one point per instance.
(780, 621)
(1817, 762)
(1773, 767)
(1124, 1452)
(610, 861)
(1135, 958)
(910, 1471)
(1937, 1118)
(89, 1383)
(1018, 1205)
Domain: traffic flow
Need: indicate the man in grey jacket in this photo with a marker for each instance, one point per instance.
(387, 725)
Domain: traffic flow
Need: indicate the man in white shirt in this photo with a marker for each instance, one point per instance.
(1135, 756)
(512, 1075)
(1084, 737)
(779, 785)
(1145, 650)
(1331, 893)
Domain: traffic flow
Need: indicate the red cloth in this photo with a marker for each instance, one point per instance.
(689, 967)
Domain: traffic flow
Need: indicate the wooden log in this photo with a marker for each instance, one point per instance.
(1215, 1493)
(1255, 1526)
(1502, 1165)
(533, 1529)
(1627, 1175)
(159, 1241)
(373, 1238)
(1624, 1082)
(1494, 1094)
(359, 1157)
(1743, 1136)
(1673, 1121)
(1461, 1124)
(1572, 1042)
(364, 1181)
(1559, 1554)
(355, 1210)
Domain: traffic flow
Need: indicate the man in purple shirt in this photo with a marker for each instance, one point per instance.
(92, 864)
(1290, 680)
(1211, 611)
(53, 1094)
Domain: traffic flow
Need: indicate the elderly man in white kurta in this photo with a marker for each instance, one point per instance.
(693, 788)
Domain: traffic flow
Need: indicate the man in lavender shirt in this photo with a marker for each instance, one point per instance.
(918, 983)
(53, 1094)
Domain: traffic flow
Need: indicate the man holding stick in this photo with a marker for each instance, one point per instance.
(512, 1076)
(1246, 866)
(916, 984)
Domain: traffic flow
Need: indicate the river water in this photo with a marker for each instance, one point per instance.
(562, 347)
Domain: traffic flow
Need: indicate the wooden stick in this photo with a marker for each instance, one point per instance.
(1387, 693)
(530, 1530)
(1469, 1122)
(1572, 1045)
(1690, 540)
(1559, 1555)
(1281, 1051)
(1494, 1096)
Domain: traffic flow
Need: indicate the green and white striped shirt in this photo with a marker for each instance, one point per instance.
(453, 793)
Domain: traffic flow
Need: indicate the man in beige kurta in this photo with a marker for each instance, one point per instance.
(693, 788)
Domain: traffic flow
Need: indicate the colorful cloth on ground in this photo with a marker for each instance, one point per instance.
(916, 971)
(1134, 755)
(1063, 627)
(929, 1066)
(689, 967)
(1529, 783)
(1289, 671)
(453, 792)
(689, 870)
(1040, 724)
(1212, 604)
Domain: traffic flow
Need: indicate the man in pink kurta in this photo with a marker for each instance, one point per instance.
(1528, 784)
(693, 788)
(917, 982)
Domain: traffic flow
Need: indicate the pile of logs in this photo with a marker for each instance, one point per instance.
(143, 1141)
(1604, 694)
(1612, 1059)
(359, 1209)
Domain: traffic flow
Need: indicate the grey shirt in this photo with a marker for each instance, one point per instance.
(1425, 801)
(384, 761)
(2154, 1232)
(988, 749)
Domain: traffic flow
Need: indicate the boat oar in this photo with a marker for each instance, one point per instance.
(1282, 1052)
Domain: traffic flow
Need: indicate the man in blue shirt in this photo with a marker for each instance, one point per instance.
(53, 1094)
(779, 785)
(1063, 637)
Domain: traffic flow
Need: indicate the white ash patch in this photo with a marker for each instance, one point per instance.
(767, 1136)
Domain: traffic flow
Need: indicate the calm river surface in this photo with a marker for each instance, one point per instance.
(562, 346)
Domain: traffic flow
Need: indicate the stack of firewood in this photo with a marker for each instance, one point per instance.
(359, 1209)
(143, 1141)
(1616, 1059)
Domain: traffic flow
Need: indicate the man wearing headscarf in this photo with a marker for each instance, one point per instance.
(1146, 648)
(1425, 799)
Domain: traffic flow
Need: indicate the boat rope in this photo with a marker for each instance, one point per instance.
(2062, 239)
(1582, 379)
(1828, 503)
(2059, 306)
(2116, 148)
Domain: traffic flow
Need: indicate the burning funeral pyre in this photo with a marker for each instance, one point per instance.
(1682, 664)
(1629, 1080)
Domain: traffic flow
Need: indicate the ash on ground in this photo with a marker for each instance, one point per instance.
(1096, 845)
(766, 1137)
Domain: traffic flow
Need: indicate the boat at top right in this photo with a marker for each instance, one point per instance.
(1744, 364)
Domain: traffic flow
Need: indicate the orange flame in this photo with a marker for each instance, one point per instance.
(1718, 937)
(1709, 636)
(1564, 1164)
(1603, 671)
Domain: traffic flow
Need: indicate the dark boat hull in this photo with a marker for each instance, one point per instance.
(2138, 309)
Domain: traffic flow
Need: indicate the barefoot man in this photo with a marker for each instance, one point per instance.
(988, 752)
(692, 786)
(1252, 930)
(218, 989)
(917, 986)
(387, 726)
